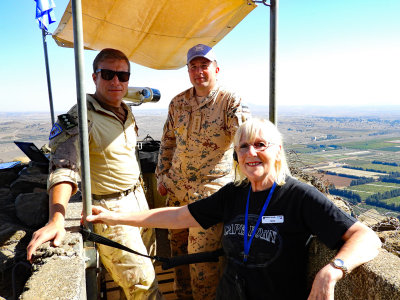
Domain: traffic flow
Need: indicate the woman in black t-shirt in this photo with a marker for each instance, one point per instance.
(268, 219)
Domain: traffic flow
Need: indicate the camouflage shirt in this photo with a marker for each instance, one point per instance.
(196, 149)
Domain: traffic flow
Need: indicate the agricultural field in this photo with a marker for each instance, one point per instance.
(365, 190)
(395, 200)
(368, 165)
(337, 181)
(340, 150)
(351, 172)
(361, 208)
(391, 145)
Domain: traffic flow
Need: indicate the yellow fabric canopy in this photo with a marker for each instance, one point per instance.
(153, 33)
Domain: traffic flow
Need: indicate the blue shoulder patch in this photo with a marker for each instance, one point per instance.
(56, 130)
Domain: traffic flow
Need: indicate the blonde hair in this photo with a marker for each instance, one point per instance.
(248, 131)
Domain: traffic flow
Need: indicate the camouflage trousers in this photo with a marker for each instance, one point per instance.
(134, 274)
(196, 281)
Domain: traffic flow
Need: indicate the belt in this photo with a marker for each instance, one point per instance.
(117, 194)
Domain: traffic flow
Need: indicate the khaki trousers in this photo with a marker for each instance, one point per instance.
(135, 274)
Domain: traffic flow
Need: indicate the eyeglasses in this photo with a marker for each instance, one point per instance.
(258, 147)
(109, 74)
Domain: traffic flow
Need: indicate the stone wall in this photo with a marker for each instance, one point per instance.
(55, 272)
(377, 279)
(59, 273)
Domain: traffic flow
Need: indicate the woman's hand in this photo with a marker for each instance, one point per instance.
(323, 287)
(102, 215)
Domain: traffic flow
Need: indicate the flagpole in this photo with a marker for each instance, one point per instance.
(46, 58)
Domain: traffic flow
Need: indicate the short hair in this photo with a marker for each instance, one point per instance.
(109, 53)
(249, 130)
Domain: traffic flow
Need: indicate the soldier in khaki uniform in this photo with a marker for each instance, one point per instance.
(114, 174)
(195, 161)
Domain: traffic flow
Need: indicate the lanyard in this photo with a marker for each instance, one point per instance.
(247, 243)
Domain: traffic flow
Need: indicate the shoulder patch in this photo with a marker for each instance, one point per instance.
(55, 130)
(67, 121)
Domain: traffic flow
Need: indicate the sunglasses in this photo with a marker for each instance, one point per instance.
(110, 74)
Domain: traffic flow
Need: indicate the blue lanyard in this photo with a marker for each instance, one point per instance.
(247, 243)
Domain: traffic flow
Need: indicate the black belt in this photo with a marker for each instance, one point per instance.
(117, 194)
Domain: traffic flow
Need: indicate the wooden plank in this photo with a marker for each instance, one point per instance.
(166, 287)
(161, 277)
(113, 295)
(170, 296)
(165, 280)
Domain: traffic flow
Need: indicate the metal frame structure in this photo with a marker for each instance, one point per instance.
(273, 26)
(90, 251)
(89, 248)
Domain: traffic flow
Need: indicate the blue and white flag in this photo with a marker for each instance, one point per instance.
(44, 13)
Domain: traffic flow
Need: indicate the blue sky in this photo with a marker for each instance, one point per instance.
(329, 53)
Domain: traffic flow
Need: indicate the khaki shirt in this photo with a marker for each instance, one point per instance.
(113, 163)
(196, 148)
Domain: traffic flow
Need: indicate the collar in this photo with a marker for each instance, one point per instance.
(98, 108)
(212, 95)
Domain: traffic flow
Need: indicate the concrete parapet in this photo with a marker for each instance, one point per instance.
(378, 279)
(61, 277)
(59, 273)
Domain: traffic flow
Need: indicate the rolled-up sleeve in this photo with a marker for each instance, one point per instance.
(237, 113)
(63, 175)
(167, 148)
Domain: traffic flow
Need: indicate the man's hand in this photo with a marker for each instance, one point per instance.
(52, 231)
(161, 189)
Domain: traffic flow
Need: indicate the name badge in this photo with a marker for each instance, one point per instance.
(196, 122)
(272, 219)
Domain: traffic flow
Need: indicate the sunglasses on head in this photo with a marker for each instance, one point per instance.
(109, 74)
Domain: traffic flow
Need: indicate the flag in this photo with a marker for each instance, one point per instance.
(44, 13)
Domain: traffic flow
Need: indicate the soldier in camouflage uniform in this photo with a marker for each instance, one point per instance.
(114, 176)
(195, 161)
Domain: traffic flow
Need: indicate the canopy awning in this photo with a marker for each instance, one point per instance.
(153, 33)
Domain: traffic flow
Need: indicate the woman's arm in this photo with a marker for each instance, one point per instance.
(167, 217)
(361, 245)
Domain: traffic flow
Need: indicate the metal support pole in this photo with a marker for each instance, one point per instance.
(82, 106)
(90, 251)
(272, 60)
(46, 60)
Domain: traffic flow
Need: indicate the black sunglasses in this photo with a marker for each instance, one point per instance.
(109, 74)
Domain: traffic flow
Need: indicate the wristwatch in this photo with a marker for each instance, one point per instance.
(339, 264)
